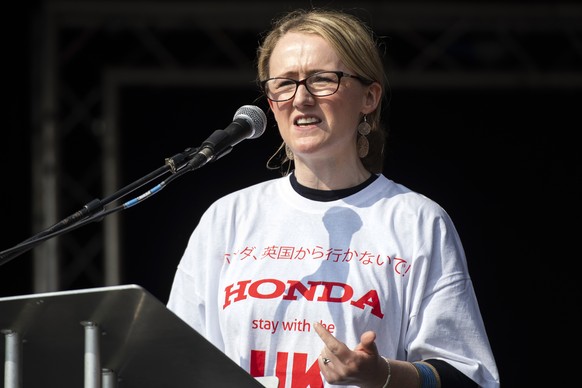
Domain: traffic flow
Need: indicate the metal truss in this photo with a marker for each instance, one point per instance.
(88, 49)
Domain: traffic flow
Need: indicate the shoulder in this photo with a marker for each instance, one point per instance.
(261, 192)
(406, 199)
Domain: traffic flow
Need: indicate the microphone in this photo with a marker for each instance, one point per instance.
(249, 122)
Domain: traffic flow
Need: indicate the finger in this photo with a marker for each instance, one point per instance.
(322, 331)
(330, 342)
(325, 360)
(367, 343)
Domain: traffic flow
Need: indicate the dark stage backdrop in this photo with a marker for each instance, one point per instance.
(504, 163)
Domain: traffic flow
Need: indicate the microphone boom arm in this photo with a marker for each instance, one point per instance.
(220, 143)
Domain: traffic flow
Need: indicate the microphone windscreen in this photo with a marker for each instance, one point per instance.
(255, 117)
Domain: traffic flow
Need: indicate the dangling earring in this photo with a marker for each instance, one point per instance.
(289, 153)
(364, 129)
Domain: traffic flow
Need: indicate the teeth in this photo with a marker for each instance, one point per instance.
(307, 120)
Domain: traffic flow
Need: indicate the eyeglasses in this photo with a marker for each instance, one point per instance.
(321, 84)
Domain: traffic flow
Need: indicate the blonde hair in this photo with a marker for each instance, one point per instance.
(356, 45)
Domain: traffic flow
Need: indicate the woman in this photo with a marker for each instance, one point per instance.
(333, 274)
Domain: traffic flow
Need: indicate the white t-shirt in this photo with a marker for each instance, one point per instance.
(265, 263)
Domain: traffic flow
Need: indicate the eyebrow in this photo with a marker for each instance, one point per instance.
(295, 75)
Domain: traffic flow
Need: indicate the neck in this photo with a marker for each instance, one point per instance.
(332, 178)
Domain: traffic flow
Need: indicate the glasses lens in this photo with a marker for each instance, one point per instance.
(319, 84)
(323, 84)
(280, 89)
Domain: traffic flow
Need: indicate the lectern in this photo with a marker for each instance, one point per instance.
(108, 337)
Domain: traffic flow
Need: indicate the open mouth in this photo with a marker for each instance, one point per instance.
(307, 121)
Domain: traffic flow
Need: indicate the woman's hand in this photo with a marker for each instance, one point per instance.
(363, 366)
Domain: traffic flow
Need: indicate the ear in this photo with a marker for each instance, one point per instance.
(372, 98)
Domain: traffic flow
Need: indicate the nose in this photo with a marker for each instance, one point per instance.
(302, 96)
